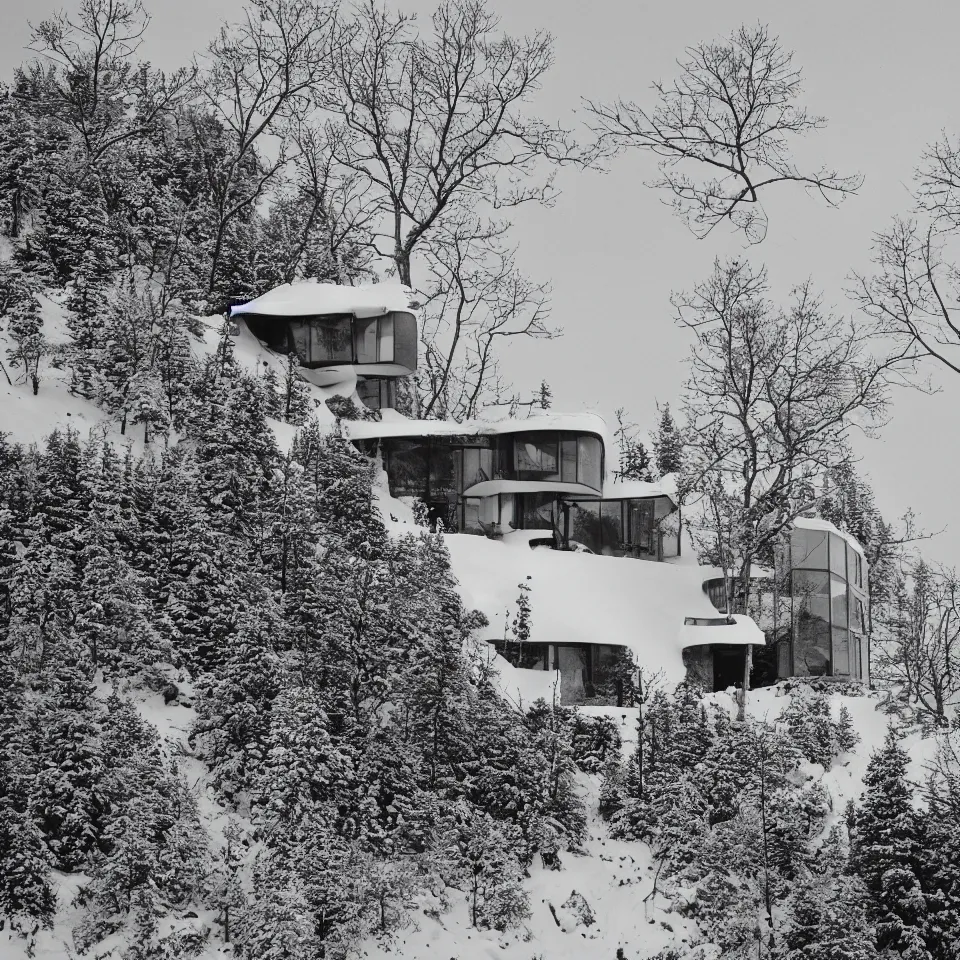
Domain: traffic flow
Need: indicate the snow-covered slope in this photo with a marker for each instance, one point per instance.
(574, 597)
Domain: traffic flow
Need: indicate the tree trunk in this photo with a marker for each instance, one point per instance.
(747, 667)
(402, 260)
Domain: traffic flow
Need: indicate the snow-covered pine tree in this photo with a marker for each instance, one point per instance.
(886, 847)
(668, 445)
(635, 463)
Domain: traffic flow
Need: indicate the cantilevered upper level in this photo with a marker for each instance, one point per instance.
(370, 329)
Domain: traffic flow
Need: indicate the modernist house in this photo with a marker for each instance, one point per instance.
(545, 480)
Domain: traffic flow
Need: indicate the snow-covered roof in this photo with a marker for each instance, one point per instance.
(309, 297)
(741, 632)
(402, 427)
(816, 523)
(634, 490)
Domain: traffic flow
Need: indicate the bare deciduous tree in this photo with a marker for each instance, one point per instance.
(341, 204)
(438, 121)
(914, 295)
(723, 130)
(477, 299)
(99, 90)
(922, 652)
(257, 74)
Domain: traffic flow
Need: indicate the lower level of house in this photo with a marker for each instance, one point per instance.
(595, 673)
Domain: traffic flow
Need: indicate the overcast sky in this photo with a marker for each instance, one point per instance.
(885, 76)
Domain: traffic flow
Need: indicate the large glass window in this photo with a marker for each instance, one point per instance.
(377, 393)
(300, 340)
(838, 556)
(857, 619)
(568, 459)
(385, 339)
(537, 511)
(405, 340)
(445, 472)
(331, 339)
(407, 468)
(811, 590)
(838, 602)
(611, 528)
(536, 456)
(585, 524)
(589, 456)
(640, 528)
(854, 566)
(365, 340)
(841, 652)
(477, 465)
(809, 549)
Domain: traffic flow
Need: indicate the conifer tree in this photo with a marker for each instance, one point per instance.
(885, 851)
(668, 445)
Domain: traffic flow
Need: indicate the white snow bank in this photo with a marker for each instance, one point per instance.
(522, 687)
(309, 297)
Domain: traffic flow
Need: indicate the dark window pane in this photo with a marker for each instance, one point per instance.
(330, 340)
(838, 602)
(300, 335)
(809, 549)
(477, 465)
(856, 615)
(536, 456)
(365, 340)
(640, 529)
(812, 649)
(585, 524)
(407, 468)
(838, 556)
(375, 393)
(537, 511)
(405, 340)
(853, 559)
(589, 455)
(568, 459)
(812, 624)
(444, 472)
(611, 524)
(841, 652)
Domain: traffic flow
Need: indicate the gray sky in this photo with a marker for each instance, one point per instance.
(883, 74)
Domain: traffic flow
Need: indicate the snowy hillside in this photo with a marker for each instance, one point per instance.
(614, 893)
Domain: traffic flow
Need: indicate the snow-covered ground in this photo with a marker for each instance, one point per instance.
(574, 598)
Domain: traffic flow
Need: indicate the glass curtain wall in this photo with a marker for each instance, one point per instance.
(828, 606)
(555, 457)
(615, 528)
(342, 338)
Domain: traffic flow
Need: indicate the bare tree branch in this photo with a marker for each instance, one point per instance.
(723, 131)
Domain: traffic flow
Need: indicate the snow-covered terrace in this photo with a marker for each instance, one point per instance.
(581, 598)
